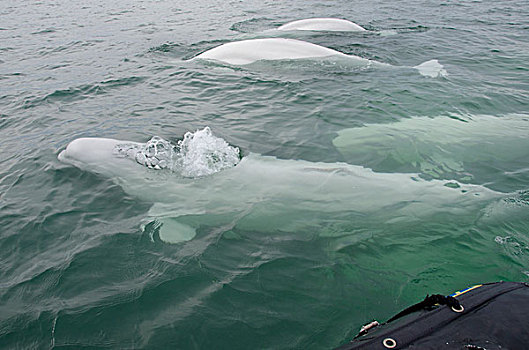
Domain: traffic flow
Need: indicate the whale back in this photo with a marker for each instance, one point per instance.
(249, 51)
(322, 24)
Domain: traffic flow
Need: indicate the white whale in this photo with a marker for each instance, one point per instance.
(250, 51)
(441, 146)
(263, 191)
(322, 24)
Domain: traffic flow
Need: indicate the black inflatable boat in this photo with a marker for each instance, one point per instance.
(486, 316)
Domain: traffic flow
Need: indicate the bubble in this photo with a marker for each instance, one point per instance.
(156, 154)
(501, 240)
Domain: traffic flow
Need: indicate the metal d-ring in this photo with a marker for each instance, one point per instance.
(459, 308)
(389, 343)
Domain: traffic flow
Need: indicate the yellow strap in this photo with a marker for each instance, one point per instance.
(458, 293)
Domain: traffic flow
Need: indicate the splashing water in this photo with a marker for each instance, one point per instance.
(203, 154)
(198, 154)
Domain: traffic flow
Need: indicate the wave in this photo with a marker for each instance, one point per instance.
(82, 91)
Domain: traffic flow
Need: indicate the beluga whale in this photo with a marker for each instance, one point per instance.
(249, 51)
(246, 52)
(446, 146)
(322, 24)
(203, 183)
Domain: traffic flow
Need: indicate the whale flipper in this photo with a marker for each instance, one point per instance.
(170, 230)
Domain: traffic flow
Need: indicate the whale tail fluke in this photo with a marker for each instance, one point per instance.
(432, 69)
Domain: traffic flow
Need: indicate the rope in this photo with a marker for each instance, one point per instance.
(429, 302)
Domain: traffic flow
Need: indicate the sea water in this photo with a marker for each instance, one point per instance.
(361, 188)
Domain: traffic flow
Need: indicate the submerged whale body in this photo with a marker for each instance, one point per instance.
(249, 51)
(322, 24)
(266, 192)
(449, 145)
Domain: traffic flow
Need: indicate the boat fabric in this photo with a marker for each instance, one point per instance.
(489, 316)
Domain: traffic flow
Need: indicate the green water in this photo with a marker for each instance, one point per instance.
(77, 270)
